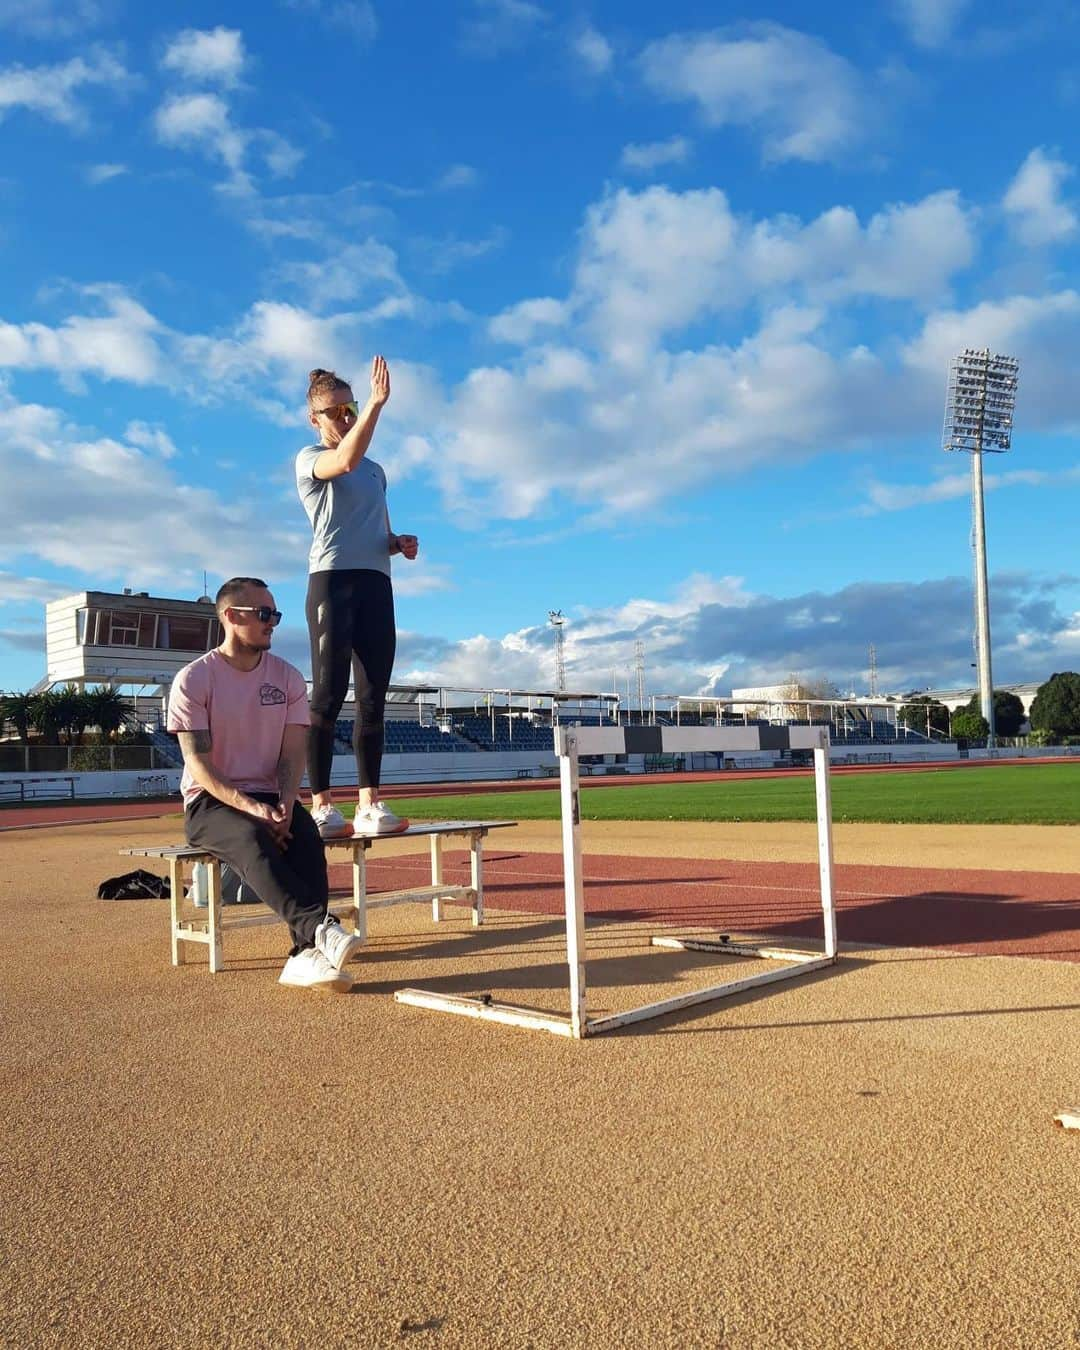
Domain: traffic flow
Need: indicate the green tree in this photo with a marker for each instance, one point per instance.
(970, 726)
(106, 710)
(1056, 706)
(18, 709)
(923, 713)
(1009, 715)
(60, 713)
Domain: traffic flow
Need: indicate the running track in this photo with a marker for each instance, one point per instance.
(981, 913)
(976, 912)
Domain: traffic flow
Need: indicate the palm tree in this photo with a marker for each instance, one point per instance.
(106, 710)
(18, 709)
(59, 710)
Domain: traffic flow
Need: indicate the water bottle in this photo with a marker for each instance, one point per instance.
(199, 893)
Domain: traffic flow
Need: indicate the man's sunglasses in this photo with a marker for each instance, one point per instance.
(263, 613)
(337, 411)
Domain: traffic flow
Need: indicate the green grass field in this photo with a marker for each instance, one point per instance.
(1044, 794)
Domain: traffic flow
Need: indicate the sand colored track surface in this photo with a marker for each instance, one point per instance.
(862, 1158)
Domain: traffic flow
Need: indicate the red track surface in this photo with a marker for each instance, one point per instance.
(976, 912)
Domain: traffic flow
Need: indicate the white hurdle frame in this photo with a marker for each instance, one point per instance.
(570, 744)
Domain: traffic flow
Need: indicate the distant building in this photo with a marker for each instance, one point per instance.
(132, 639)
(959, 698)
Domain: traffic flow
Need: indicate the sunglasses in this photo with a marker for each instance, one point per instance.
(263, 613)
(337, 411)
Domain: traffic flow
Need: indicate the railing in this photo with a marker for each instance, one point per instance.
(16, 758)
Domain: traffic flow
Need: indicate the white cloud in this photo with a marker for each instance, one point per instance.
(905, 496)
(592, 50)
(207, 56)
(34, 590)
(115, 485)
(930, 22)
(651, 155)
(521, 322)
(121, 344)
(1033, 201)
(51, 18)
(655, 261)
(357, 17)
(96, 174)
(713, 633)
(498, 26)
(52, 91)
(154, 438)
(1043, 331)
(202, 122)
(458, 176)
(804, 100)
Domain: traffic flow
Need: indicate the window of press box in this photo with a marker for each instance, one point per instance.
(147, 631)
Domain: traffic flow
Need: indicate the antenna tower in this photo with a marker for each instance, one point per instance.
(873, 671)
(555, 618)
(639, 667)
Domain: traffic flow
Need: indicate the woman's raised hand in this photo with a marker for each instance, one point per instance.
(380, 381)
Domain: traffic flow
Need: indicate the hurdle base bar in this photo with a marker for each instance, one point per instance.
(486, 1011)
(596, 1026)
(512, 1015)
(736, 949)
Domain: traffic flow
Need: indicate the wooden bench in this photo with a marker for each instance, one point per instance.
(207, 928)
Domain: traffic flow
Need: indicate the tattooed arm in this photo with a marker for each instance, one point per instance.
(196, 746)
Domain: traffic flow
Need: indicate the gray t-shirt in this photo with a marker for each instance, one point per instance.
(347, 514)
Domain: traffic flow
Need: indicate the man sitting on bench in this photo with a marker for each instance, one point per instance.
(241, 715)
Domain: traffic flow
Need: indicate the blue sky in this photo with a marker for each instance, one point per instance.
(668, 295)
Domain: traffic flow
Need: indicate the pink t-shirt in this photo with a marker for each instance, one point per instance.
(246, 713)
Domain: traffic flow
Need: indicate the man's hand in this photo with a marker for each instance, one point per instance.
(380, 381)
(281, 824)
(408, 545)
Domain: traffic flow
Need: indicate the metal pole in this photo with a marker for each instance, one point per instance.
(982, 595)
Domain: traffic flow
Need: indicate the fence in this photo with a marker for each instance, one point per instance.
(16, 758)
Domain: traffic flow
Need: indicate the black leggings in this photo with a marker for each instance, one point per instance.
(350, 615)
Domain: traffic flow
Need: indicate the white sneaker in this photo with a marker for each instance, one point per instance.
(310, 969)
(377, 819)
(335, 943)
(330, 823)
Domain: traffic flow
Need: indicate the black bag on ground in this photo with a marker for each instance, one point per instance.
(138, 885)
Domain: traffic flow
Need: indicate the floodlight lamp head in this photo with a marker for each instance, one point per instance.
(980, 400)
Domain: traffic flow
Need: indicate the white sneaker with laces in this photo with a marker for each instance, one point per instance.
(335, 943)
(310, 969)
(377, 819)
(330, 823)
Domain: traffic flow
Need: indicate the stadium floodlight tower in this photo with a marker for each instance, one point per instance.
(979, 410)
(555, 618)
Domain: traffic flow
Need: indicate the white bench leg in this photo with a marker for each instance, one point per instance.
(359, 889)
(436, 876)
(176, 895)
(476, 858)
(217, 960)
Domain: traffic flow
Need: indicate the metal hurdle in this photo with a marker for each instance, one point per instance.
(570, 744)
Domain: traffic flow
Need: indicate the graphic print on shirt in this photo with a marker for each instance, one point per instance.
(270, 694)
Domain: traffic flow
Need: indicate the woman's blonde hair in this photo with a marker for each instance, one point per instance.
(323, 382)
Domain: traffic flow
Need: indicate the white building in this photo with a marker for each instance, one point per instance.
(131, 639)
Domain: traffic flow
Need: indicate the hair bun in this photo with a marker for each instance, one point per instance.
(314, 375)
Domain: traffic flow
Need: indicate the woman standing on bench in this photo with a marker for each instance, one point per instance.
(350, 603)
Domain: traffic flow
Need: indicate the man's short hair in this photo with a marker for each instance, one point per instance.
(233, 589)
